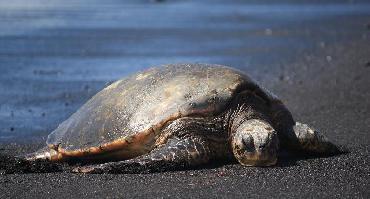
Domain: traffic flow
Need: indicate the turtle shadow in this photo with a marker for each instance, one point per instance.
(290, 159)
(285, 159)
(11, 164)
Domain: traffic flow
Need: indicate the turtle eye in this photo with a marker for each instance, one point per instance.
(192, 104)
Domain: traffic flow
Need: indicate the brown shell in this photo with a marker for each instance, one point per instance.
(132, 110)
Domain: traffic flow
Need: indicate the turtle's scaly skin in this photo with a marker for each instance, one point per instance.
(180, 114)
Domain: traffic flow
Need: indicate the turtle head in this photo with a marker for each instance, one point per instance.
(255, 143)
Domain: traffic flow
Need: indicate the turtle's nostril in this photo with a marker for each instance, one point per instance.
(248, 143)
(262, 146)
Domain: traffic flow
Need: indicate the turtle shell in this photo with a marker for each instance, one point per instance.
(143, 103)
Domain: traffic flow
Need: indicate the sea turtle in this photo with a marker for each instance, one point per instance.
(180, 114)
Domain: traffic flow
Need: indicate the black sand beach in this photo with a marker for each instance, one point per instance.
(316, 57)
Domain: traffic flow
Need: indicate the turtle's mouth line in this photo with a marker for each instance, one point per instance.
(262, 159)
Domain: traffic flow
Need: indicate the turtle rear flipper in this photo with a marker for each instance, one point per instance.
(177, 153)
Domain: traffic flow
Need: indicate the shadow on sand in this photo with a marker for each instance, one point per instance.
(11, 164)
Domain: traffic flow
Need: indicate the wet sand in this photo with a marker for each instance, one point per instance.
(316, 58)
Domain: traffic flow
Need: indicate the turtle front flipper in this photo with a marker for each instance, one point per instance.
(177, 153)
(312, 141)
(42, 154)
(298, 137)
